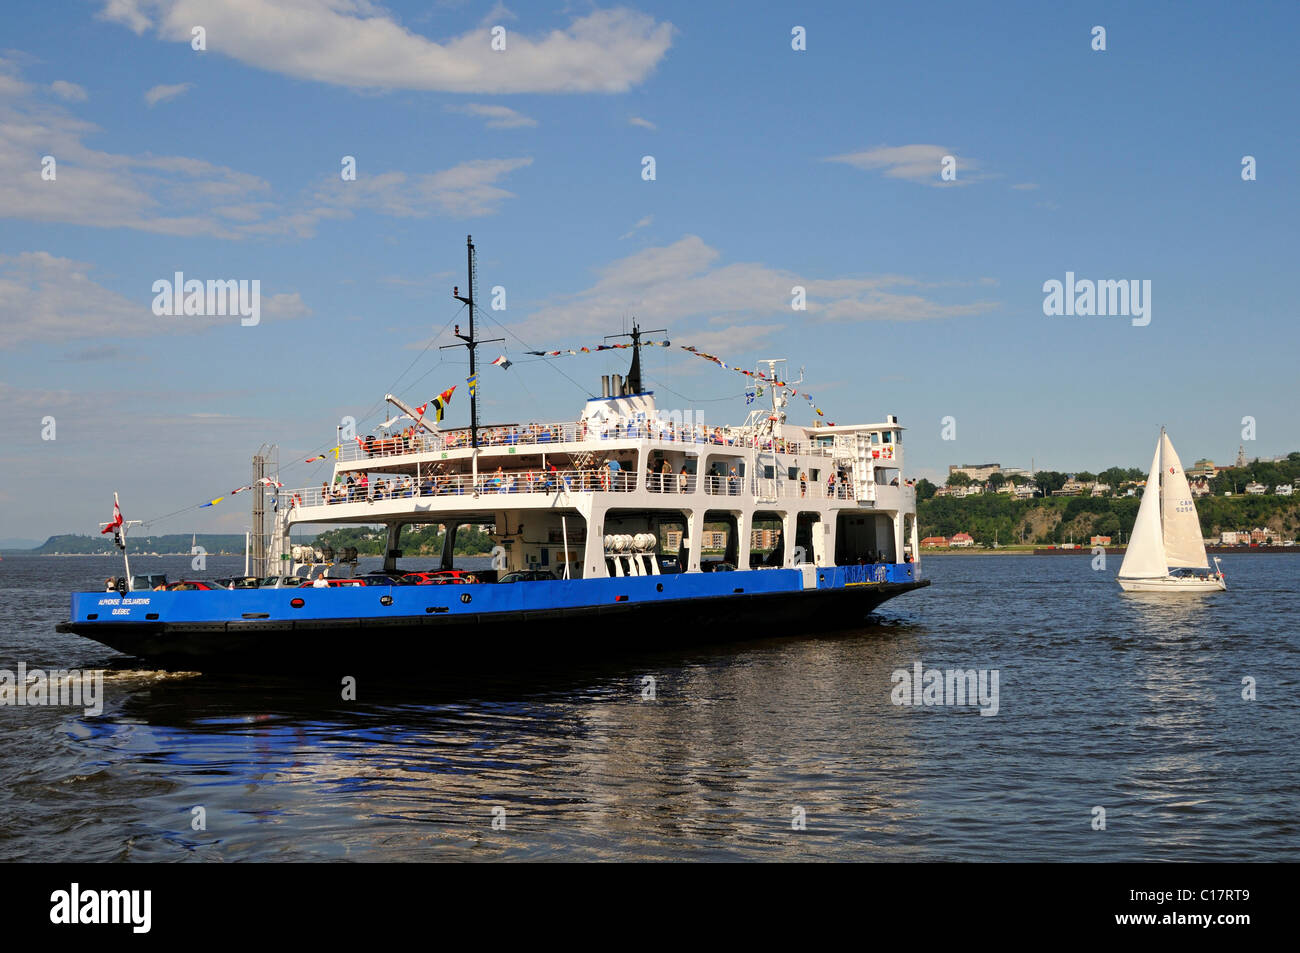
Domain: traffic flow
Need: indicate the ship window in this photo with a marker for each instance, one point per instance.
(768, 472)
(888, 436)
(875, 436)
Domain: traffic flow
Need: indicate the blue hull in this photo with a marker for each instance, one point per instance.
(331, 627)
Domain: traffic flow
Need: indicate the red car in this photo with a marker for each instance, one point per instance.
(333, 584)
(440, 577)
(187, 585)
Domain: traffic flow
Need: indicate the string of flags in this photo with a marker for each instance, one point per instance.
(265, 481)
(598, 347)
(750, 395)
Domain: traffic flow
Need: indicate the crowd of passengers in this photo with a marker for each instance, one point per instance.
(360, 488)
(414, 440)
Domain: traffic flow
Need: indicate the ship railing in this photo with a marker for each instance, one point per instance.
(671, 482)
(768, 488)
(536, 482)
(372, 447)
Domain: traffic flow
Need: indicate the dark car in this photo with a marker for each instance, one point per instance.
(717, 566)
(527, 575)
(669, 564)
(238, 582)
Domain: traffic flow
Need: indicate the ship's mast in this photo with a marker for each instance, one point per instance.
(470, 343)
(633, 382)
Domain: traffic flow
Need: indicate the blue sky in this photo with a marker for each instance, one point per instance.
(773, 168)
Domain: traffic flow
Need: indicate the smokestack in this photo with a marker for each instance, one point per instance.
(617, 382)
(604, 385)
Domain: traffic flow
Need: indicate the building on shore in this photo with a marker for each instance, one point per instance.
(978, 472)
(934, 542)
(961, 540)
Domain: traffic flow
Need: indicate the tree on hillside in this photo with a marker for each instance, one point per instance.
(997, 480)
(1112, 476)
(924, 490)
(1049, 481)
(1083, 476)
(958, 479)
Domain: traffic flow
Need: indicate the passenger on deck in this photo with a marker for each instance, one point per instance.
(683, 480)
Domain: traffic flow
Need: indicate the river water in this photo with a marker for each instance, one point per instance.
(785, 746)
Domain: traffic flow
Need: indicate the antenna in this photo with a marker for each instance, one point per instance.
(470, 343)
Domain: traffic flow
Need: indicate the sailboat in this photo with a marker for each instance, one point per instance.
(1165, 552)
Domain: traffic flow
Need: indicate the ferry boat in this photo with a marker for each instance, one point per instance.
(613, 506)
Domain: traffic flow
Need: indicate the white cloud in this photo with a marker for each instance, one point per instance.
(643, 123)
(162, 93)
(643, 223)
(356, 43)
(498, 117)
(285, 306)
(10, 84)
(915, 163)
(685, 281)
(178, 195)
(466, 190)
(44, 298)
(69, 91)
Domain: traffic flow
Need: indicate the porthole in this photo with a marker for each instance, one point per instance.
(465, 597)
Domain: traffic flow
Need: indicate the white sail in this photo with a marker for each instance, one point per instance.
(1182, 530)
(1145, 556)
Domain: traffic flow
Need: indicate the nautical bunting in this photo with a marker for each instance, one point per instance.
(749, 395)
(441, 401)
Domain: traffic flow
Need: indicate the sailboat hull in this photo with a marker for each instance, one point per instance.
(1176, 585)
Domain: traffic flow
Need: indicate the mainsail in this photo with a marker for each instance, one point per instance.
(1183, 544)
(1145, 556)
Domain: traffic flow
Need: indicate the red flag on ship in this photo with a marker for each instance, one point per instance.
(117, 518)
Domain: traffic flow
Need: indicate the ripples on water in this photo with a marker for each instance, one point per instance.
(1132, 703)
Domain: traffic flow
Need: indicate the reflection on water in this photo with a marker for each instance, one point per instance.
(1127, 703)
